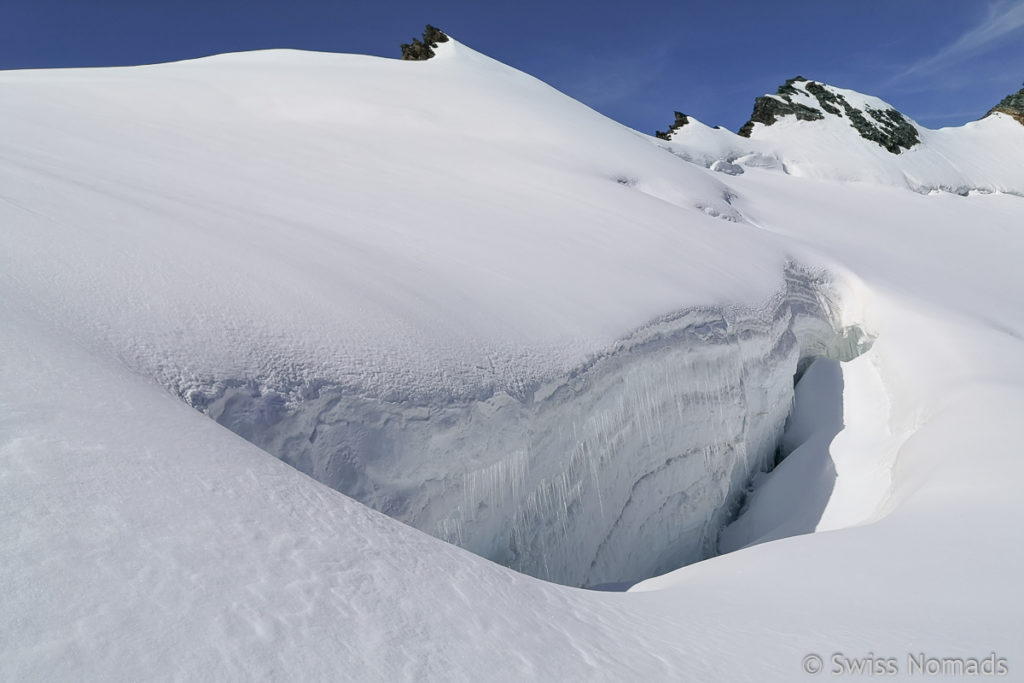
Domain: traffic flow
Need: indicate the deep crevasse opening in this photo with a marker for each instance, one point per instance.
(625, 469)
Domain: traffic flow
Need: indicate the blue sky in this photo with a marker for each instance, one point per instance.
(943, 62)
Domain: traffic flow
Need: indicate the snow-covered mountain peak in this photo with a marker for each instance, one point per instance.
(805, 100)
(808, 128)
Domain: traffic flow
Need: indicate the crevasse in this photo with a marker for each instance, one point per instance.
(626, 468)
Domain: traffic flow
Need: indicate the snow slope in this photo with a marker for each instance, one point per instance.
(410, 208)
(444, 233)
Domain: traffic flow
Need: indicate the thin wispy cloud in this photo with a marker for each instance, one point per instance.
(1002, 20)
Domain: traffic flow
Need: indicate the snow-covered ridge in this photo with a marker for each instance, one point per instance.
(351, 238)
(812, 129)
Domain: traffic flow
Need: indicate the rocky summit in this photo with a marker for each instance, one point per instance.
(680, 121)
(419, 50)
(812, 101)
(1011, 105)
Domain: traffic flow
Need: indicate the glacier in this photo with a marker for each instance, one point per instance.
(534, 293)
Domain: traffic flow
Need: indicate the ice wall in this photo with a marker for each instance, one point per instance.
(624, 469)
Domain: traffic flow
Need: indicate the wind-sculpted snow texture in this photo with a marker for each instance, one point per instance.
(624, 469)
(485, 243)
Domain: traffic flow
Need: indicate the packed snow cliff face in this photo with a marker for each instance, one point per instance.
(626, 468)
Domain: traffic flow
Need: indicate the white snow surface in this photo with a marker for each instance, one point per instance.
(457, 229)
(394, 227)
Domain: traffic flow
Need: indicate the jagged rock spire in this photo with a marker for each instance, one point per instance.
(423, 49)
(681, 120)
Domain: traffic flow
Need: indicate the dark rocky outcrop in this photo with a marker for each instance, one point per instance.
(770, 108)
(887, 128)
(1011, 105)
(681, 120)
(419, 50)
